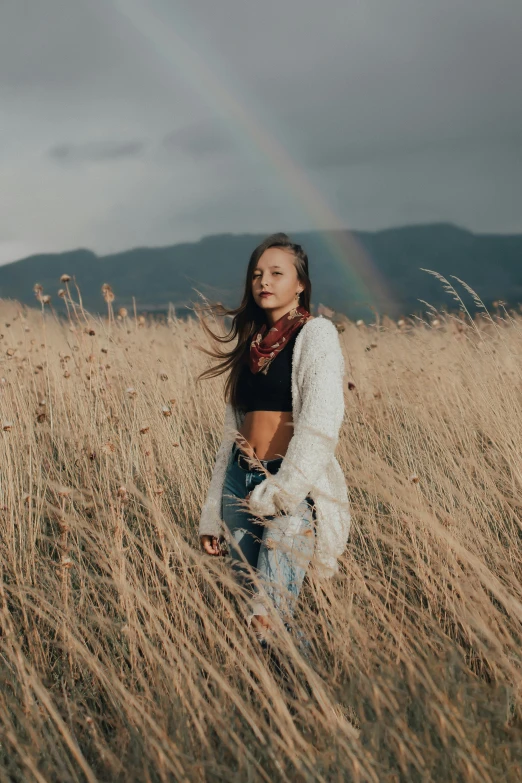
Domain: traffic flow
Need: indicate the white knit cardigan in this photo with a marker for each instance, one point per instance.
(309, 466)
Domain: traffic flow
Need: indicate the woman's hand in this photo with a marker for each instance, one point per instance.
(211, 545)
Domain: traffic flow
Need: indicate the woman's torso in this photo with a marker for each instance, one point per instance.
(265, 434)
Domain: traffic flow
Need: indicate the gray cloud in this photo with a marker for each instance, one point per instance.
(96, 151)
(343, 153)
(383, 112)
(199, 140)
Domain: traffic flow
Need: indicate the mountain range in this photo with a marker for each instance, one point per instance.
(491, 264)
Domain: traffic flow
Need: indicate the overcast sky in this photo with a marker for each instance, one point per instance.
(133, 122)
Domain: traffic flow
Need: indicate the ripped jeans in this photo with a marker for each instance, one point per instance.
(269, 555)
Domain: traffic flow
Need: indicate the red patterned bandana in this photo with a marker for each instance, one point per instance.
(267, 344)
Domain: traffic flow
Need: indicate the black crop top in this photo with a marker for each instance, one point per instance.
(270, 392)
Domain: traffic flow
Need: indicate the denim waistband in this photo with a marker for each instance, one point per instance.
(272, 465)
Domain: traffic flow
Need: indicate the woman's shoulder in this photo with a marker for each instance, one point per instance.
(319, 329)
(320, 340)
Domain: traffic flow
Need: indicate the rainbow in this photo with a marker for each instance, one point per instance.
(174, 45)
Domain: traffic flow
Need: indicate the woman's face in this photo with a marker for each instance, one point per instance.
(276, 274)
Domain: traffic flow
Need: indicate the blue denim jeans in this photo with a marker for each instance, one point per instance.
(269, 555)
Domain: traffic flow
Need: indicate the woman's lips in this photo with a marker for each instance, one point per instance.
(267, 294)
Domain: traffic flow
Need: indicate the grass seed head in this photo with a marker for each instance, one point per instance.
(108, 293)
(65, 278)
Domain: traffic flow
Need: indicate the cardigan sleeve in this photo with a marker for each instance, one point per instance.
(210, 519)
(316, 431)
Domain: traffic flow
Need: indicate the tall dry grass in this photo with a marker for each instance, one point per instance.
(123, 654)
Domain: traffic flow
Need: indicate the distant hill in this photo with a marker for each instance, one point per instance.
(215, 265)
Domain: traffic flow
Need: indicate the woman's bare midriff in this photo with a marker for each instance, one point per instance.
(266, 434)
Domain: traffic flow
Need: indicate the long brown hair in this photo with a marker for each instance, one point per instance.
(248, 317)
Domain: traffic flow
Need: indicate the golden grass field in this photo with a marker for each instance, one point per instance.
(123, 655)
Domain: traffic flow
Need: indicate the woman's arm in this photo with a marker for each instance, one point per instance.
(316, 432)
(210, 520)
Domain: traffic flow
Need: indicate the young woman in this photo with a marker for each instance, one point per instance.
(277, 495)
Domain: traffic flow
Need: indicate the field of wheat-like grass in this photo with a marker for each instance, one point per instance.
(123, 651)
